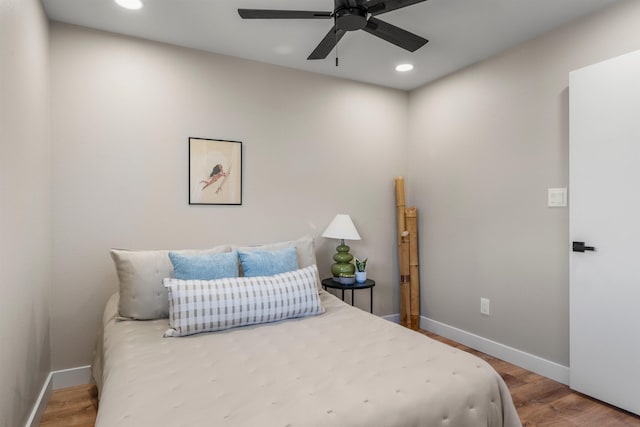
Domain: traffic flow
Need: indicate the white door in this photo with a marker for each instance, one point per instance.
(604, 208)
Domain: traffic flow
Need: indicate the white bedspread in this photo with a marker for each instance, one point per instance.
(342, 368)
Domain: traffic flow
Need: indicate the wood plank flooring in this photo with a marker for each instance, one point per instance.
(540, 402)
(72, 407)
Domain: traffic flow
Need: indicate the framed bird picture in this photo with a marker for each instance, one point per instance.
(215, 172)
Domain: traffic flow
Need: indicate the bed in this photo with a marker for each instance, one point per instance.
(344, 367)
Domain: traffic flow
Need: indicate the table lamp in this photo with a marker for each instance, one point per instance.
(342, 228)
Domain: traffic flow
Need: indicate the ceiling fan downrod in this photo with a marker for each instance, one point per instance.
(335, 33)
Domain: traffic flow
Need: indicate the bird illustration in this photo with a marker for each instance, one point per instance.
(216, 173)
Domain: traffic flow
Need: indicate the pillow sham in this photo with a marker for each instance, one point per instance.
(268, 263)
(207, 266)
(140, 274)
(197, 306)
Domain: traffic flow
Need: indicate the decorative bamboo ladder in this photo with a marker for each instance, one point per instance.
(408, 260)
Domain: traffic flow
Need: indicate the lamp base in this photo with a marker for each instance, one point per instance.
(343, 265)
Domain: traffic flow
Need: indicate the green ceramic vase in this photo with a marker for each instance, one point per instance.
(343, 265)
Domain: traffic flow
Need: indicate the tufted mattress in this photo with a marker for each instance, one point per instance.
(343, 368)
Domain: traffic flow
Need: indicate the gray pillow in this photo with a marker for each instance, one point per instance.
(142, 294)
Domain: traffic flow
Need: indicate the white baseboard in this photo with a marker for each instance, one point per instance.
(41, 404)
(395, 318)
(528, 361)
(71, 377)
(57, 380)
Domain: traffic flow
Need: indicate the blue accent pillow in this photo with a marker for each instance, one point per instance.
(268, 263)
(207, 266)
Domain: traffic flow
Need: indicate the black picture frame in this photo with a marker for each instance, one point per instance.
(215, 171)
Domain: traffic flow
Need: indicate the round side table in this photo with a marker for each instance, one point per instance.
(368, 284)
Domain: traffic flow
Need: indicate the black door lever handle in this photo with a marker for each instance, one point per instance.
(580, 247)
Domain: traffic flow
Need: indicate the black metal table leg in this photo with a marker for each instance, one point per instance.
(330, 282)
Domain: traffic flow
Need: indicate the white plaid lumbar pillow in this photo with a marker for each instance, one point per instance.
(197, 306)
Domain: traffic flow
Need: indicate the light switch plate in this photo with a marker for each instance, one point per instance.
(484, 306)
(557, 197)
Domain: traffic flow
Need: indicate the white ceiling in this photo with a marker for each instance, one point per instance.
(460, 32)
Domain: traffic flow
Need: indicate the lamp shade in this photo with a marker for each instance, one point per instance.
(341, 228)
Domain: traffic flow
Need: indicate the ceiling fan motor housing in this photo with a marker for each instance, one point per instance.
(351, 18)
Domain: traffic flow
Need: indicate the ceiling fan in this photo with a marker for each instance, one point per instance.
(349, 15)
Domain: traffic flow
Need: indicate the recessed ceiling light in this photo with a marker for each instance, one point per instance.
(130, 4)
(403, 68)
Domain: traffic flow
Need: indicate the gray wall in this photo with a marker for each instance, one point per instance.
(123, 109)
(485, 144)
(25, 226)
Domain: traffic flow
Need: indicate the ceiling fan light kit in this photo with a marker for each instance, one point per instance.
(351, 18)
(350, 15)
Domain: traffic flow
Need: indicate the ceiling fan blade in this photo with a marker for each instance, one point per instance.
(327, 44)
(283, 14)
(376, 7)
(395, 35)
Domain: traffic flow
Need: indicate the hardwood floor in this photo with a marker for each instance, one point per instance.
(72, 407)
(540, 402)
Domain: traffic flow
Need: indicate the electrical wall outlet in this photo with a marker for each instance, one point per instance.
(484, 306)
